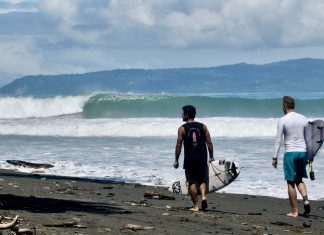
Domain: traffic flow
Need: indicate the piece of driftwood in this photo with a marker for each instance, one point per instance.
(10, 224)
(135, 227)
(23, 231)
(15, 230)
(158, 195)
(63, 224)
(7, 218)
(29, 164)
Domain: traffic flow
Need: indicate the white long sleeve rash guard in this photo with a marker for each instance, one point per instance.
(291, 127)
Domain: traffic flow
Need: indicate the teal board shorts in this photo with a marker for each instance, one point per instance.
(295, 166)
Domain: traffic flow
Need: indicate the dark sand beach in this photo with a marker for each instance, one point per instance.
(66, 205)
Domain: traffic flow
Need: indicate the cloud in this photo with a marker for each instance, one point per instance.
(17, 56)
(42, 36)
(10, 6)
(247, 24)
(242, 24)
(125, 13)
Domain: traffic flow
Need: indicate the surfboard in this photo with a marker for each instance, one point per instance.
(221, 174)
(314, 138)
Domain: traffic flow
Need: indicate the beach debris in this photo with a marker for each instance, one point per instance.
(257, 227)
(108, 187)
(29, 164)
(254, 213)
(10, 224)
(135, 227)
(63, 224)
(157, 195)
(15, 230)
(307, 224)
(37, 172)
(19, 231)
(279, 223)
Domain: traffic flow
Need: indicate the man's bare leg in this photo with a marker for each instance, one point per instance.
(293, 199)
(302, 189)
(194, 197)
(203, 190)
(303, 192)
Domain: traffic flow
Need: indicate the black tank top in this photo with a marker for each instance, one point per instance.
(195, 150)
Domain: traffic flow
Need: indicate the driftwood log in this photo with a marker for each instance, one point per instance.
(63, 224)
(158, 195)
(10, 224)
(135, 227)
(15, 230)
(29, 164)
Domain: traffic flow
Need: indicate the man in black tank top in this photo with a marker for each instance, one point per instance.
(196, 139)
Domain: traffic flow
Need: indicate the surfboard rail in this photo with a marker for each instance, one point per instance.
(314, 136)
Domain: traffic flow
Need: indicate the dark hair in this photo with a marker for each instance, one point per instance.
(288, 102)
(190, 111)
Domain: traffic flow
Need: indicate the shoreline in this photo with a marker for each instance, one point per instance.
(91, 206)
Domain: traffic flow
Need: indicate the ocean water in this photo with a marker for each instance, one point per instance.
(131, 137)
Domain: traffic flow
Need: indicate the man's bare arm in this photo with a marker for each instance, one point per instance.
(178, 146)
(209, 145)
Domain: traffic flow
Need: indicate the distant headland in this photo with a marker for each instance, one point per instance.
(300, 75)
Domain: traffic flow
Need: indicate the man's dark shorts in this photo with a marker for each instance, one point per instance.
(295, 166)
(197, 176)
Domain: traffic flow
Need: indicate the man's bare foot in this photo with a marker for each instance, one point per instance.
(194, 209)
(293, 214)
(307, 208)
(204, 204)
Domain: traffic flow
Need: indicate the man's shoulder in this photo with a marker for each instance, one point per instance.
(199, 123)
(301, 116)
(293, 116)
(194, 125)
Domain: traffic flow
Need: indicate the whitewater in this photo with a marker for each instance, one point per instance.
(131, 137)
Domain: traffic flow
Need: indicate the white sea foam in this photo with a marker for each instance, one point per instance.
(25, 107)
(135, 127)
(149, 161)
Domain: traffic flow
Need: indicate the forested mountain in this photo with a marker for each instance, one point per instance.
(293, 75)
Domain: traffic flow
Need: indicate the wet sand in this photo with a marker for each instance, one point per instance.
(85, 206)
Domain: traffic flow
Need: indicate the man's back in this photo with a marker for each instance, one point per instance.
(293, 125)
(195, 149)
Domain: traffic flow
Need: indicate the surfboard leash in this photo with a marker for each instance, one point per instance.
(227, 171)
(230, 169)
(311, 172)
(214, 167)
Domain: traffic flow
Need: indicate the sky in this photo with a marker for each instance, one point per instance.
(79, 36)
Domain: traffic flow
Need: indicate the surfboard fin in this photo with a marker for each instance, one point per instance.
(311, 172)
(176, 187)
(233, 169)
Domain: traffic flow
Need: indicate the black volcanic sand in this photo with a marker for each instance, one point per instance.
(88, 206)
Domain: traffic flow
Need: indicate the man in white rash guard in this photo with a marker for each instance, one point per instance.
(291, 127)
